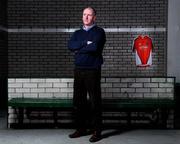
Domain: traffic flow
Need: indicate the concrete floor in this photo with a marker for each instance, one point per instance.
(111, 136)
(60, 136)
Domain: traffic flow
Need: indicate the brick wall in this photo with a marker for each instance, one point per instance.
(111, 87)
(38, 31)
(44, 54)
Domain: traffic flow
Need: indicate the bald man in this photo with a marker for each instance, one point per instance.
(87, 45)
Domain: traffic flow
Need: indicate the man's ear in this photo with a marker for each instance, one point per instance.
(94, 18)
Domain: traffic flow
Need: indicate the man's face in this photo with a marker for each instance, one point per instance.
(88, 17)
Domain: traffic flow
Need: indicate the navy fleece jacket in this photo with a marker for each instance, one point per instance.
(88, 56)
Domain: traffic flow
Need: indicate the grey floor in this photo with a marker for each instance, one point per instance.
(110, 136)
(60, 136)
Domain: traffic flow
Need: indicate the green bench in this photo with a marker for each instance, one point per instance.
(111, 105)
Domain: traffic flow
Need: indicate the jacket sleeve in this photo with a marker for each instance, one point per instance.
(74, 44)
(96, 45)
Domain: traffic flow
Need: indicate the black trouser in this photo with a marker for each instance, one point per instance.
(87, 81)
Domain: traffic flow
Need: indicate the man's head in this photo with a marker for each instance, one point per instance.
(89, 16)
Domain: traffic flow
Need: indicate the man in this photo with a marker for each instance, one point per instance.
(87, 45)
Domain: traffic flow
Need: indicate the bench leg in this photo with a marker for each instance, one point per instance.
(55, 117)
(129, 118)
(164, 117)
(155, 117)
(21, 116)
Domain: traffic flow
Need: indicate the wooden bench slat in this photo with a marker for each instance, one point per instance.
(106, 103)
(37, 102)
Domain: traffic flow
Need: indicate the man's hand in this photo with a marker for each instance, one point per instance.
(89, 42)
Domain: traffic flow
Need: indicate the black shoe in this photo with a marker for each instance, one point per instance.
(78, 133)
(95, 137)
